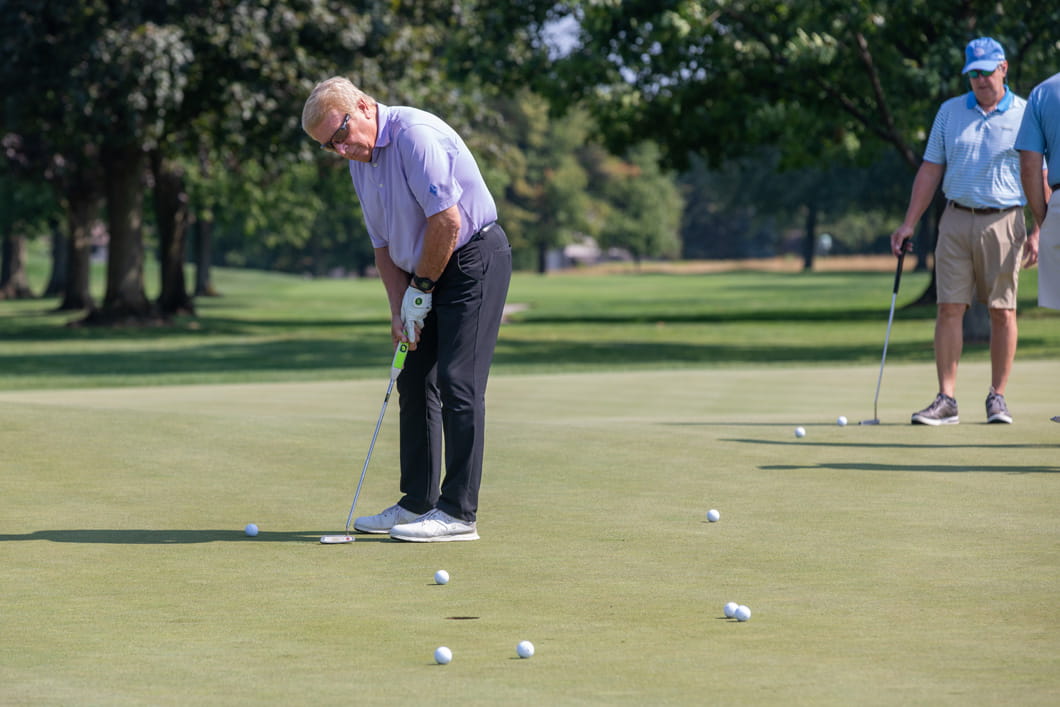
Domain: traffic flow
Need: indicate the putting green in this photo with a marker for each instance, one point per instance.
(884, 564)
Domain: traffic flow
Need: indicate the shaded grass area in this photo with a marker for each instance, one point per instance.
(273, 327)
(883, 565)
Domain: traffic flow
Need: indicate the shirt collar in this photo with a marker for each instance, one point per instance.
(382, 120)
(1004, 105)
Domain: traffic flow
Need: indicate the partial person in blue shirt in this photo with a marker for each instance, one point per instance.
(982, 238)
(445, 264)
(1038, 139)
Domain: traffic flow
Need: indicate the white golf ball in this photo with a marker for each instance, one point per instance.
(730, 609)
(251, 529)
(525, 649)
(841, 421)
(441, 577)
(800, 432)
(713, 516)
(442, 655)
(742, 613)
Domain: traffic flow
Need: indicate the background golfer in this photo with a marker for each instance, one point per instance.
(982, 235)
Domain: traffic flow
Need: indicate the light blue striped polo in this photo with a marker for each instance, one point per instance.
(978, 150)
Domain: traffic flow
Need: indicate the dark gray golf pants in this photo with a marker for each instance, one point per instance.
(442, 389)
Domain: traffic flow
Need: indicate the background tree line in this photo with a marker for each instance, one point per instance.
(695, 129)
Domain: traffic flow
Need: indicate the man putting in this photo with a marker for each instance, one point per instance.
(445, 264)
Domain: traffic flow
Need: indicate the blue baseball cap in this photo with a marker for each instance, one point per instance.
(984, 54)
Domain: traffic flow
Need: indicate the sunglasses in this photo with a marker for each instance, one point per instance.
(341, 134)
(976, 73)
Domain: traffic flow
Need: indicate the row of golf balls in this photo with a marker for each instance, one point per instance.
(444, 656)
(841, 421)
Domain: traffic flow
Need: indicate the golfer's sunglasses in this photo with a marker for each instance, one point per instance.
(341, 134)
(976, 73)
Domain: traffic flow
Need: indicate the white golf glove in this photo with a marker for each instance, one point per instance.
(414, 307)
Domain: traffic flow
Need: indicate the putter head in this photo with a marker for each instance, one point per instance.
(874, 421)
(336, 539)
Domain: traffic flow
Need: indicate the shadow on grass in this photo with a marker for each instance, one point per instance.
(932, 468)
(371, 352)
(175, 537)
(893, 445)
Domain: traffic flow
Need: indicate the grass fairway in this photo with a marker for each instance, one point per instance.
(884, 565)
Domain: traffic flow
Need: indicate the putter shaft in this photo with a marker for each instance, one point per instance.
(364, 469)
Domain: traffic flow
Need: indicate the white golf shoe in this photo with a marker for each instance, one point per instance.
(434, 527)
(383, 522)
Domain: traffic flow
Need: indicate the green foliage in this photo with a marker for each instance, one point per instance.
(644, 207)
(827, 82)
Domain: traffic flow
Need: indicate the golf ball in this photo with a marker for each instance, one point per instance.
(841, 421)
(800, 432)
(713, 516)
(730, 609)
(525, 649)
(742, 613)
(442, 655)
(251, 529)
(441, 577)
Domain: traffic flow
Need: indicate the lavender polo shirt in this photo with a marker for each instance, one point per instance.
(978, 149)
(419, 167)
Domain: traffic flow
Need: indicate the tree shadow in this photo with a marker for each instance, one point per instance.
(889, 445)
(931, 468)
(174, 537)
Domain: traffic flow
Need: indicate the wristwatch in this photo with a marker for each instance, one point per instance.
(423, 284)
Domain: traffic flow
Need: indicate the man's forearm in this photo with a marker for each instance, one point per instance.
(1033, 183)
(395, 280)
(443, 230)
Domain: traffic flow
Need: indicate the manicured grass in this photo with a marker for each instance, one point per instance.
(270, 327)
(884, 565)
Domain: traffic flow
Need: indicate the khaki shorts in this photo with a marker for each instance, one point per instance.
(978, 255)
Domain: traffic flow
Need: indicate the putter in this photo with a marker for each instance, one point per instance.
(890, 318)
(395, 370)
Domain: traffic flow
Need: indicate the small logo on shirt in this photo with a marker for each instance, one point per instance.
(434, 190)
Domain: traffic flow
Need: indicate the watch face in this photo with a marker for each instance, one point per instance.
(423, 283)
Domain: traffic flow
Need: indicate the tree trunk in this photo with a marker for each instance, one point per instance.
(81, 211)
(977, 324)
(171, 214)
(809, 240)
(204, 237)
(60, 261)
(542, 259)
(14, 283)
(203, 256)
(926, 239)
(124, 301)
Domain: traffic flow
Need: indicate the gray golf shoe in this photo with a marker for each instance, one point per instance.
(382, 522)
(942, 411)
(996, 410)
